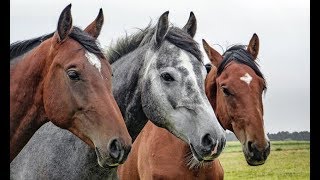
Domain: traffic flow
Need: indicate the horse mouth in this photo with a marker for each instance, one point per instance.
(195, 154)
(194, 160)
(103, 161)
(255, 163)
(198, 157)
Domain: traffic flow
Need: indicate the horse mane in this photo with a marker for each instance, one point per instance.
(88, 42)
(175, 35)
(239, 54)
(20, 47)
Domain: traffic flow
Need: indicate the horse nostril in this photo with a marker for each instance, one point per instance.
(115, 149)
(207, 142)
(267, 150)
(265, 155)
(222, 144)
(250, 146)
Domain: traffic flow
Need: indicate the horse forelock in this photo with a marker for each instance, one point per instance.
(239, 54)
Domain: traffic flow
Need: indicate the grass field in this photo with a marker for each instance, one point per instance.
(287, 160)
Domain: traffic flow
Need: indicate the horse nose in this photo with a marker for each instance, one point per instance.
(207, 143)
(259, 155)
(212, 148)
(118, 152)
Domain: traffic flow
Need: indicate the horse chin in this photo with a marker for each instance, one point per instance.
(194, 160)
(253, 162)
(195, 154)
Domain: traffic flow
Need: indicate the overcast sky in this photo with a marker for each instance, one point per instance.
(283, 28)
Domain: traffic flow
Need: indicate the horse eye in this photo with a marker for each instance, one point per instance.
(167, 77)
(225, 91)
(73, 75)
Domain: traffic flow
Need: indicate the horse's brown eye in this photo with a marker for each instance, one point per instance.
(167, 77)
(225, 91)
(73, 74)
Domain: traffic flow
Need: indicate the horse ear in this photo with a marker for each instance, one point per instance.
(161, 28)
(64, 24)
(253, 47)
(95, 27)
(191, 26)
(213, 55)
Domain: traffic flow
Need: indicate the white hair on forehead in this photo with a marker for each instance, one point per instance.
(186, 62)
(94, 60)
(246, 78)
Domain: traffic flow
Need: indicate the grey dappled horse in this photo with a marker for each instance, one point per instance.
(158, 74)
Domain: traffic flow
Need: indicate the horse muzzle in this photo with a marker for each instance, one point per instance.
(254, 156)
(209, 149)
(115, 155)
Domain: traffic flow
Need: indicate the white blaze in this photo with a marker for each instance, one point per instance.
(152, 57)
(207, 109)
(186, 62)
(246, 78)
(94, 60)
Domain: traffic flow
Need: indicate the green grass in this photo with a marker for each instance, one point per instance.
(287, 160)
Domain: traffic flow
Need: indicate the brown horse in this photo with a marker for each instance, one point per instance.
(64, 78)
(234, 89)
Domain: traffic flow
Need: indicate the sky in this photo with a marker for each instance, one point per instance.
(283, 28)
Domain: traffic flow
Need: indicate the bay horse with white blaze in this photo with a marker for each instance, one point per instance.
(234, 90)
(64, 77)
(159, 75)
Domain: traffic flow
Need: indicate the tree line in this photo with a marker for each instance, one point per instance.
(279, 136)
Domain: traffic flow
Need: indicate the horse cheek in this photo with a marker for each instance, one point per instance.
(57, 110)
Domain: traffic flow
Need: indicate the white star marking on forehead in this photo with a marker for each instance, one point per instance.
(246, 78)
(94, 60)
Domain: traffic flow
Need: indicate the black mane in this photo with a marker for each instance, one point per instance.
(175, 35)
(239, 54)
(88, 42)
(20, 47)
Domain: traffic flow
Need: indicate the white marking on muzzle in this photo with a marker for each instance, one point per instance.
(94, 60)
(246, 78)
(215, 150)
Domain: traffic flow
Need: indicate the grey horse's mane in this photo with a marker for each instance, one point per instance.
(129, 43)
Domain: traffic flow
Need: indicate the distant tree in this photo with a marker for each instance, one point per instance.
(285, 135)
(279, 136)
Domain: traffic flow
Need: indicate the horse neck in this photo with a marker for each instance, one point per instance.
(127, 92)
(26, 105)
